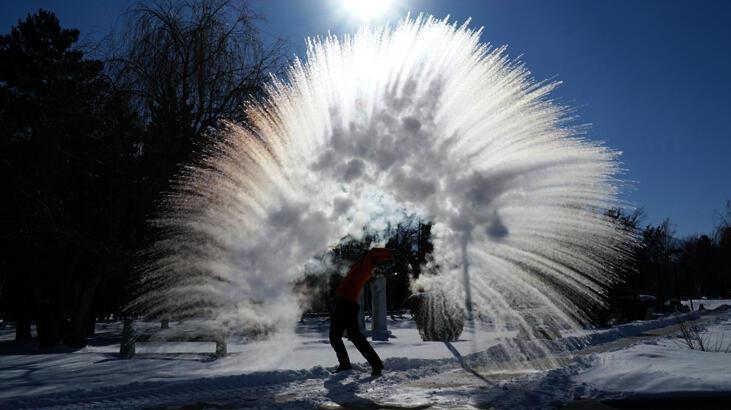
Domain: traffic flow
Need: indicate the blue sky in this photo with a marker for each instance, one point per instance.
(651, 77)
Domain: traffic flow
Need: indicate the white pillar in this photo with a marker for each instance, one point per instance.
(379, 328)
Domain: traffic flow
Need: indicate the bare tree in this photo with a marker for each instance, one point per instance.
(693, 336)
(187, 64)
(723, 224)
(191, 63)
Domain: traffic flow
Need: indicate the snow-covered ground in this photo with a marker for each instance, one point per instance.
(98, 365)
(663, 365)
(641, 358)
(707, 303)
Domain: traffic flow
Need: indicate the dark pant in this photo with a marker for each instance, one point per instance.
(345, 317)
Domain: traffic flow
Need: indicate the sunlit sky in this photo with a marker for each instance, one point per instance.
(651, 77)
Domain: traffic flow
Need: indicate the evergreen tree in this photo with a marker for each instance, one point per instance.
(67, 138)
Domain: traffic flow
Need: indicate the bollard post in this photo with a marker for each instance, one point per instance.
(379, 327)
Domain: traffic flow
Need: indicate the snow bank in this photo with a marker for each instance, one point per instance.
(662, 367)
(635, 328)
(708, 304)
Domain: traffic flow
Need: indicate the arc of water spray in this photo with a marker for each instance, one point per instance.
(422, 116)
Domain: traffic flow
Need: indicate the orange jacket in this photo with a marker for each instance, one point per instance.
(360, 272)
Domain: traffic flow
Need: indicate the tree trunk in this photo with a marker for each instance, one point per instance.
(23, 314)
(22, 329)
(19, 297)
(91, 324)
(79, 328)
(48, 325)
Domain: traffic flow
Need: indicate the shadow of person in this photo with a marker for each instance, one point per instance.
(343, 392)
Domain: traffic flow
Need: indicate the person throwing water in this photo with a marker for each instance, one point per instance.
(345, 312)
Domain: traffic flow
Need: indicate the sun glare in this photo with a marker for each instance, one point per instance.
(366, 9)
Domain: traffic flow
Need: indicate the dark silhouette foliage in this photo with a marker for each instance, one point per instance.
(67, 156)
(668, 269)
(89, 147)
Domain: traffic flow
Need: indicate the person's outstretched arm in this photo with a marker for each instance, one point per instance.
(381, 254)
